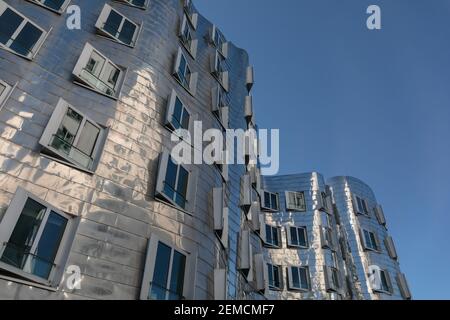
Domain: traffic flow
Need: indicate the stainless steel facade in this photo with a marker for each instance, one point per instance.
(350, 254)
(116, 203)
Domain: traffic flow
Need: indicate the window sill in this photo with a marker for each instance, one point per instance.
(28, 283)
(188, 90)
(186, 47)
(69, 164)
(291, 246)
(299, 290)
(163, 199)
(132, 5)
(59, 12)
(103, 34)
(24, 277)
(96, 91)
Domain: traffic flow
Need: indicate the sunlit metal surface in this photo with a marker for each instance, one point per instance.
(116, 202)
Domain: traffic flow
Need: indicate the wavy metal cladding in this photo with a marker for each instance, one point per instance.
(348, 256)
(343, 188)
(117, 202)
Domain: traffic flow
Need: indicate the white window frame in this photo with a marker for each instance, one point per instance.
(128, 3)
(294, 207)
(379, 213)
(52, 127)
(329, 274)
(191, 87)
(327, 239)
(263, 234)
(220, 214)
(9, 222)
(190, 268)
(218, 70)
(35, 49)
(369, 246)
(60, 11)
(104, 15)
(403, 286)
(192, 183)
(220, 284)
(291, 278)
(220, 106)
(390, 247)
(272, 268)
(191, 45)
(81, 65)
(302, 229)
(192, 16)
(263, 198)
(357, 208)
(171, 109)
(221, 46)
(245, 254)
(4, 96)
(377, 280)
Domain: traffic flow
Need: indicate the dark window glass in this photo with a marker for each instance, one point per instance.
(183, 178)
(269, 234)
(177, 114)
(384, 281)
(127, 33)
(138, 3)
(274, 201)
(186, 119)
(302, 241)
(26, 39)
(304, 278)
(267, 200)
(171, 179)
(177, 276)
(276, 276)
(295, 278)
(67, 131)
(49, 244)
(275, 236)
(158, 288)
(54, 4)
(18, 249)
(9, 22)
(112, 24)
(294, 237)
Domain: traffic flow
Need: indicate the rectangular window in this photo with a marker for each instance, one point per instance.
(72, 137)
(327, 238)
(370, 240)
(58, 6)
(295, 201)
(273, 236)
(270, 201)
(183, 74)
(98, 73)
(169, 272)
(187, 37)
(116, 26)
(299, 278)
(18, 34)
(218, 39)
(361, 205)
(190, 12)
(298, 237)
(219, 70)
(177, 115)
(381, 281)
(175, 183)
(5, 92)
(274, 273)
(142, 4)
(332, 279)
(34, 239)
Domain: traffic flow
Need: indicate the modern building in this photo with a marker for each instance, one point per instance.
(328, 241)
(87, 183)
(92, 204)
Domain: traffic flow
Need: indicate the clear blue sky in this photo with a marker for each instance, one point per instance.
(371, 104)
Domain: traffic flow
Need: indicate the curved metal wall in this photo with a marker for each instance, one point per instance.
(116, 203)
(343, 188)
